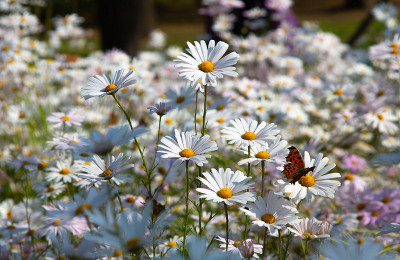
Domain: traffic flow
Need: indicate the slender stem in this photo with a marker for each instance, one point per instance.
(119, 198)
(248, 175)
(262, 177)
(195, 113)
(306, 250)
(201, 203)
(187, 205)
(123, 110)
(158, 141)
(226, 226)
(154, 159)
(287, 246)
(264, 243)
(248, 165)
(280, 244)
(203, 130)
(130, 124)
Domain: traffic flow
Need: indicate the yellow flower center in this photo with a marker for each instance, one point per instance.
(268, 218)
(249, 136)
(57, 222)
(110, 87)
(361, 206)
(307, 181)
(180, 99)
(64, 171)
(168, 121)
(338, 92)
(262, 155)
(11, 227)
(50, 189)
(5, 48)
(21, 115)
(307, 236)
(386, 200)
(81, 208)
(31, 232)
(338, 220)
(199, 119)
(65, 118)
(106, 173)
(162, 170)
(236, 243)
(186, 153)
(225, 193)
(395, 51)
(172, 244)
(360, 240)
(42, 165)
(220, 107)
(375, 213)
(133, 242)
(380, 93)
(380, 116)
(206, 66)
(117, 252)
(130, 199)
(349, 177)
(220, 120)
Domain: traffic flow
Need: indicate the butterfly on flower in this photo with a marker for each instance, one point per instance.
(294, 168)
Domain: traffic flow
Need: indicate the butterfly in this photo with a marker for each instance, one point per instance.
(294, 168)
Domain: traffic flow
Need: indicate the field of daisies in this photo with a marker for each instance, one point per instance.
(282, 144)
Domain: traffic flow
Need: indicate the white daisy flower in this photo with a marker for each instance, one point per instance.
(71, 118)
(101, 85)
(247, 132)
(180, 97)
(187, 147)
(268, 153)
(272, 212)
(315, 183)
(382, 120)
(226, 186)
(310, 229)
(205, 64)
(103, 170)
(64, 171)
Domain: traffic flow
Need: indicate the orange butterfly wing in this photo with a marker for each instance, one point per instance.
(294, 167)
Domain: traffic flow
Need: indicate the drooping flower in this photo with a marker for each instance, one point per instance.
(101, 85)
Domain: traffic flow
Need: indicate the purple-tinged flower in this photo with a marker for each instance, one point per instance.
(354, 163)
(71, 118)
(160, 109)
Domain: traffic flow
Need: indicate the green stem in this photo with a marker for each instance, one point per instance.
(154, 159)
(195, 113)
(280, 244)
(187, 206)
(264, 243)
(203, 130)
(262, 177)
(119, 198)
(306, 250)
(201, 203)
(226, 226)
(287, 246)
(130, 124)
(248, 175)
